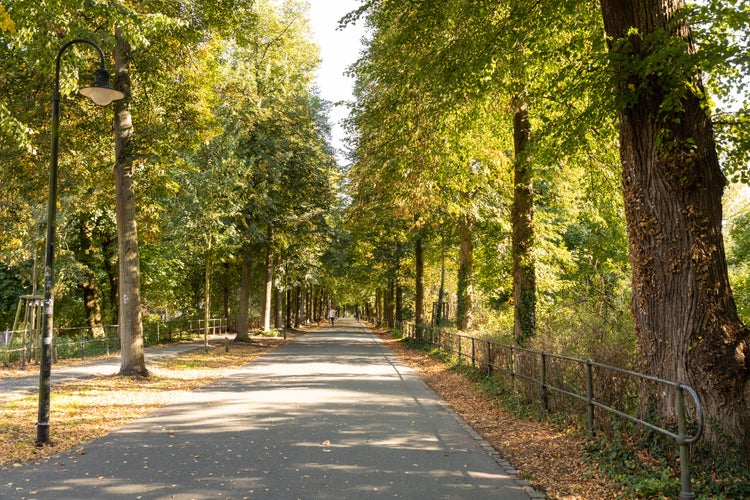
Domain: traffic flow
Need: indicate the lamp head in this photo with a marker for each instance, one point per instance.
(101, 92)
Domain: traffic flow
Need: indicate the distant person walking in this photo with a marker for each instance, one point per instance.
(332, 315)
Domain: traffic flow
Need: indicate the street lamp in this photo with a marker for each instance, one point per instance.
(102, 93)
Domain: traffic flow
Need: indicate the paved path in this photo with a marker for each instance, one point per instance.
(332, 414)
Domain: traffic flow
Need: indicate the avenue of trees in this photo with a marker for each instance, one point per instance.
(565, 162)
(224, 182)
(564, 175)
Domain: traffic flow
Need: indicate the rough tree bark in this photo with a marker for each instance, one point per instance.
(244, 301)
(465, 288)
(378, 303)
(279, 322)
(419, 286)
(132, 358)
(268, 287)
(109, 254)
(89, 285)
(207, 297)
(440, 313)
(399, 294)
(297, 305)
(389, 303)
(522, 216)
(288, 320)
(225, 294)
(92, 305)
(686, 320)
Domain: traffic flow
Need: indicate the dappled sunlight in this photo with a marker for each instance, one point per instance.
(86, 404)
(330, 415)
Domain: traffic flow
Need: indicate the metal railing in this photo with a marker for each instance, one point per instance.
(494, 357)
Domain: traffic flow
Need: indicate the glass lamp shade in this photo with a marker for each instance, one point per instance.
(101, 92)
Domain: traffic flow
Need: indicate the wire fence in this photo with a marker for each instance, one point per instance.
(22, 346)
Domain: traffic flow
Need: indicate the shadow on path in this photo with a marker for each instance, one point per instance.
(332, 414)
(19, 387)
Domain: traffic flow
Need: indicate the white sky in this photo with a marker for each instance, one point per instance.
(338, 50)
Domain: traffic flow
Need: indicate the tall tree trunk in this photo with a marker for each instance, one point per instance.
(388, 303)
(244, 303)
(320, 315)
(288, 321)
(313, 299)
(89, 285)
(279, 307)
(524, 276)
(419, 285)
(305, 319)
(93, 307)
(686, 320)
(308, 304)
(297, 305)
(378, 302)
(439, 313)
(132, 358)
(226, 293)
(207, 298)
(399, 301)
(268, 283)
(465, 304)
(109, 254)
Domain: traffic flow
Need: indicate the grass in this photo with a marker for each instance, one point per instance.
(89, 408)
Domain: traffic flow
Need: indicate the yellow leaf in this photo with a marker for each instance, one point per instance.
(6, 23)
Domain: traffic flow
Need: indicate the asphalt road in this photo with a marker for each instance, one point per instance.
(331, 415)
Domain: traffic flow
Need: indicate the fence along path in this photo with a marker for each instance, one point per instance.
(69, 342)
(332, 414)
(575, 379)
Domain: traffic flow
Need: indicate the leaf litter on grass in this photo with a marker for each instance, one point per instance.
(88, 408)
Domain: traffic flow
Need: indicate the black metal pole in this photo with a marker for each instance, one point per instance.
(45, 367)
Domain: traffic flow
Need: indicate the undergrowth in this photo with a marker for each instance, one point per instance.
(647, 466)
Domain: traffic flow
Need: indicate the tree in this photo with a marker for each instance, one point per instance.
(130, 327)
(522, 220)
(686, 319)
(280, 130)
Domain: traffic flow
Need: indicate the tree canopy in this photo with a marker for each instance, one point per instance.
(496, 181)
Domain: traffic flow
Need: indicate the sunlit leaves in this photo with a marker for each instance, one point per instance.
(6, 23)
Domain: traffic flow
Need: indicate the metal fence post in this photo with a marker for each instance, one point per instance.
(83, 344)
(489, 359)
(459, 348)
(512, 368)
(686, 493)
(545, 397)
(23, 351)
(473, 353)
(590, 395)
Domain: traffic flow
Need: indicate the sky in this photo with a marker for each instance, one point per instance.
(338, 50)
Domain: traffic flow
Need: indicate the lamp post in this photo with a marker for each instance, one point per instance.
(102, 93)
